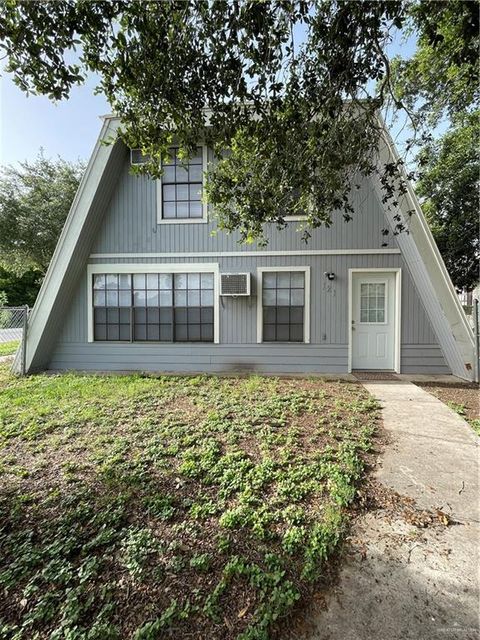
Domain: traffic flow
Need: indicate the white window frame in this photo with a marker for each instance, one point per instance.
(137, 164)
(157, 268)
(204, 218)
(306, 307)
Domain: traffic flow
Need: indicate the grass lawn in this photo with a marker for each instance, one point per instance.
(9, 348)
(180, 507)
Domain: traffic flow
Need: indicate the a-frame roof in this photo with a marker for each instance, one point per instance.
(428, 270)
(71, 255)
(73, 247)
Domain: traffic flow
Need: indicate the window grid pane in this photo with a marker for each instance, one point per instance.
(153, 324)
(182, 187)
(149, 311)
(112, 323)
(372, 302)
(193, 307)
(283, 299)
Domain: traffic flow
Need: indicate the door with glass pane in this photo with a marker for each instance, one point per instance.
(373, 321)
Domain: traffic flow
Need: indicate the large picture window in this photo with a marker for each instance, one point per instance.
(182, 187)
(153, 307)
(283, 306)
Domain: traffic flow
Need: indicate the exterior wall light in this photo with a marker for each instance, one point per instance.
(329, 275)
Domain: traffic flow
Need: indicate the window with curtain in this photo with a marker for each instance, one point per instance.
(153, 307)
(283, 306)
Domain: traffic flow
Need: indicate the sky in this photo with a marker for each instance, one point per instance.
(68, 128)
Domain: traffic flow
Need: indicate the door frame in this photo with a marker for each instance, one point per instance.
(397, 316)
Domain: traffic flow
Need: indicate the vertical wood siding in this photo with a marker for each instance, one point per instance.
(129, 226)
(329, 327)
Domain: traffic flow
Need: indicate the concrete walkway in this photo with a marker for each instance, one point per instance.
(399, 581)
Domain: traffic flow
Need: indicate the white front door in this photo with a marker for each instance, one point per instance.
(373, 320)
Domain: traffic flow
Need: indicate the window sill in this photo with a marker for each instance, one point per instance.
(158, 342)
(183, 221)
(282, 342)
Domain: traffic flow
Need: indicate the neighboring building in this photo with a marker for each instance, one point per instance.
(137, 278)
(467, 300)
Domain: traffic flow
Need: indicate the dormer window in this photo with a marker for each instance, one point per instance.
(180, 189)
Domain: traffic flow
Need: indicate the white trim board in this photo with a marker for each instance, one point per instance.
(306, 318)
(247, 254)
(67, 242)
(398, 311)
(426, 233)
(429, 274)
(156, 268)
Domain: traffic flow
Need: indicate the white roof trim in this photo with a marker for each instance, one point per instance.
(68, 239)
(430, 275)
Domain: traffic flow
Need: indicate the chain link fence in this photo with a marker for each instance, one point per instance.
(13, 328)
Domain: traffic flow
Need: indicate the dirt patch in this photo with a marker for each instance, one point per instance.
(394, 506)
(462, 397)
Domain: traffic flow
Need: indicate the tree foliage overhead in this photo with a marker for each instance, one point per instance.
(441, 78)
(277, 89)
(286, 92)
(450, 186)
(439, 85)
(34, 202)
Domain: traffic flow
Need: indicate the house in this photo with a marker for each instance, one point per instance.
(138, 282)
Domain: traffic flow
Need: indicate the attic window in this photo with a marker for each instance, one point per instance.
(182, 188)
(137, 157)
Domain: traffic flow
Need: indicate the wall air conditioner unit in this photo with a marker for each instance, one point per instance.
(137, 157)
(235, 284)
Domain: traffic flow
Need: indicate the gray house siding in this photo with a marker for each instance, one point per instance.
(129, 229)
(130, 226)
(327, 351)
